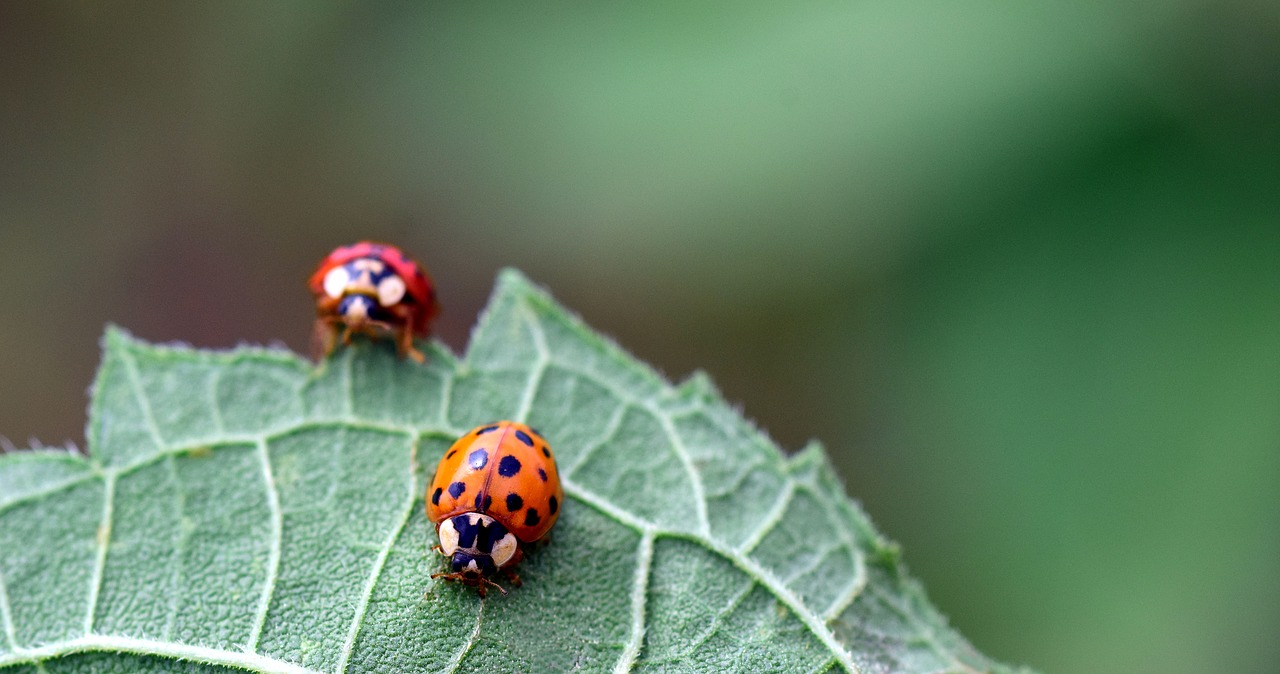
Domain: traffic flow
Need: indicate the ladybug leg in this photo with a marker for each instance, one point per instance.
(324, 337)
(404, 340)
(402, 330)
(509, 571)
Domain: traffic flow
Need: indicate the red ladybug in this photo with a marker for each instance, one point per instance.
(372, 288)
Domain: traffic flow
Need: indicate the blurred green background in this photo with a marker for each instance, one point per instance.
(1015, 264)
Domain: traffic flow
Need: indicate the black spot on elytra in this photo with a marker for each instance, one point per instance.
(477, 459)
(546, 451)
(486, 429)
(508, 466)
(514, 502)
(554, 506)
(456, 489)
(435, 496)
(531, 517)
(524, 437)
(479, 499)
(488, 501)
(542, 474)
(450, 454)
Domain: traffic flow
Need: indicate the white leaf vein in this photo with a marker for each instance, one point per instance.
(610, 431)
(273, 553)
(144, 403)
(99, 643)
(775, 515)
(11, 636)
(375, 573)
(462, 651)
(178, 548)
(102, 539)
(639, 593)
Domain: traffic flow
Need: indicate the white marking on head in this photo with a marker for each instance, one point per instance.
(504, 550)
(390, 290)
(356, 309)
(335, 282)
(472, 566)
(448, 537)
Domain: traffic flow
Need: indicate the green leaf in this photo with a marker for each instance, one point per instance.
(242, 511)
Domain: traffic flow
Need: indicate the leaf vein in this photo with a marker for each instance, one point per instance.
(639, 594)
(783, 593)
(178, 548)
(744, 563)
(214, 411)
(144, 403)
(695, 478)
(50, 491)
(713, 626)
(539, 367)
(926, 634)
(273, 553)
(103, 540)
(611, 430)
(771, 520)
(10, 633)
(99, 643)
(605, 507)
(856, 585)
(677, 443)
(456, 660)
(357, 620)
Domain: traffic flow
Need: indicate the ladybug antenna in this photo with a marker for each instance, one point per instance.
(501, 589)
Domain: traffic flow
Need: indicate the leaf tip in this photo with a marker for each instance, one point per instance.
(513, 281)
(114, 337)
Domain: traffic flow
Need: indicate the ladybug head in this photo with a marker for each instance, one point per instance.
(472, 567)
(366, 277)
(477, 545)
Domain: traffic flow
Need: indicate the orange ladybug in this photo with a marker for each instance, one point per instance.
(495, 491)
(366, 287)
